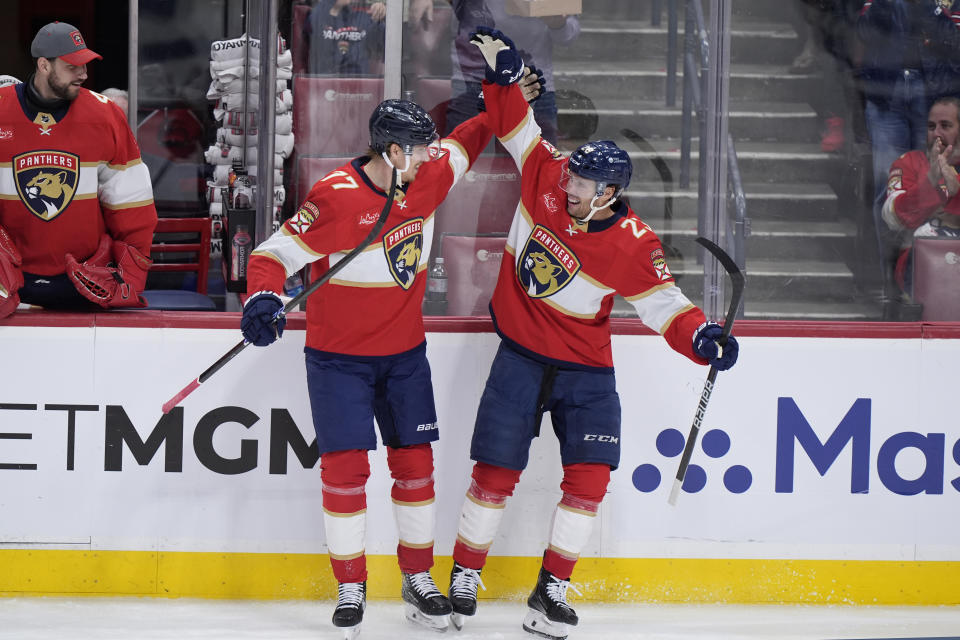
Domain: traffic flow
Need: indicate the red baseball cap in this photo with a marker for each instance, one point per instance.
(62, 40)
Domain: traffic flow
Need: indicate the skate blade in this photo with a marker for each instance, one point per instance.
(457, 619)
(349, 633)
(539, 625)
(435, 623)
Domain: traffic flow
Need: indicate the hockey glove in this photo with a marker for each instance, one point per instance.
(11, 278)
(504, 64)
(532, 83)
(257, 323)
(706, 346)
(113, 277)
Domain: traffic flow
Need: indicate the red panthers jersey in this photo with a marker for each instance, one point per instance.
(66, 178)
(559, 276)
(372, 307)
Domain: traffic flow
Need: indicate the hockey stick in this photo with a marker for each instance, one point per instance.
(739, 281)
(332, 271)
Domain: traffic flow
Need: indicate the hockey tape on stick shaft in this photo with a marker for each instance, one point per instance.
(332, 271)
(739, 282)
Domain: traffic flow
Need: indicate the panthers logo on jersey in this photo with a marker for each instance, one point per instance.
(545, 265)
(46, 181)
(402, 247)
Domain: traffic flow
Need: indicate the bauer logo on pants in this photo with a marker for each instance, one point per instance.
(402, 246)
(46, 181)
(546, 265)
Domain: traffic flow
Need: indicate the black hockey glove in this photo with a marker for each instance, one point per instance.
(257, 321)
(706, 346)
(504, 64)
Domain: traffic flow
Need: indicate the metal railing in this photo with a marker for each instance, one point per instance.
(696, 83)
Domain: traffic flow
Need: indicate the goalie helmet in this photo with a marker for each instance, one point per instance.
(603, 162)
(403, 122)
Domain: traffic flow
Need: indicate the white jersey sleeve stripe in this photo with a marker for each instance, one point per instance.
(120, 187)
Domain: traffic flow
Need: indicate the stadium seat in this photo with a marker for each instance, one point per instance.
(167, 251)
(473, 264)
(936, 277)
(331, 115)
(484, 200)
(312, 168)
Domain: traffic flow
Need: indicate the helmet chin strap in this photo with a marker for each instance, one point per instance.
(400, 172)
(594, 209)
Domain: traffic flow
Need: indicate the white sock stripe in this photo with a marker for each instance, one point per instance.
(346, 536)
(479, 523)
(415, 523)
(571, 530)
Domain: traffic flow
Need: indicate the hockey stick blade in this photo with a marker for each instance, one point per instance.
(329, 273)
(739, 282)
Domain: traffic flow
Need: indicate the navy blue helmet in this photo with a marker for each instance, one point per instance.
(403, 122)
(603, 162)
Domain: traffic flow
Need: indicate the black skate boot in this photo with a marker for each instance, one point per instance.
(351, 602)
(463, 593)
(425, 604)
(549, 614)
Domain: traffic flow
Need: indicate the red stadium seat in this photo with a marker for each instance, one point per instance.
(473, 264)
(331, 115)
(484, 200)
(936, 277)
(168, 250)
(312, 168)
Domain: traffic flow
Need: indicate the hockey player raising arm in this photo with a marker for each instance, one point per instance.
(366, 347)
(76, 203)
(572, 246)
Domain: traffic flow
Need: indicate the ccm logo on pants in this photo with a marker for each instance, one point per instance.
(610, 439)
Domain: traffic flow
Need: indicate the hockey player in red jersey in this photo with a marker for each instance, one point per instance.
(572, 246)
(76, 204)
(366, 347)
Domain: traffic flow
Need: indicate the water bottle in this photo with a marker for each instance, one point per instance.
(241, 253)
(242, 190)
(436, 298)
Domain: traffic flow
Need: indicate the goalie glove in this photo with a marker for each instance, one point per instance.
(504, 64)
(706, 345)
(113, 277)
(11, 278)
(257, 323)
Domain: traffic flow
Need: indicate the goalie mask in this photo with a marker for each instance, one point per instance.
(602, 162)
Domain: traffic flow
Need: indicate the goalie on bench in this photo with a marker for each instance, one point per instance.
(573, 245)
(76, 205)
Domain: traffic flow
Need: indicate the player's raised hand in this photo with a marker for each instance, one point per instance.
(532, 83)
(504, 64)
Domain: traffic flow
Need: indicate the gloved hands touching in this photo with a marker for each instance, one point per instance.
(257, 321)
(532, 83)
(504, 64)
(706, 346)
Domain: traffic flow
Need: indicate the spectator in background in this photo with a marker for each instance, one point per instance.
(120, 98)
(534, 37)
(909, 60)
(76, 202)
(344, 37)
(923, 186)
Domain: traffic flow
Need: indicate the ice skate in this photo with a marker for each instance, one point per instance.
(425, 606)
(550, 616)
(463, 593)
(351, 602)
